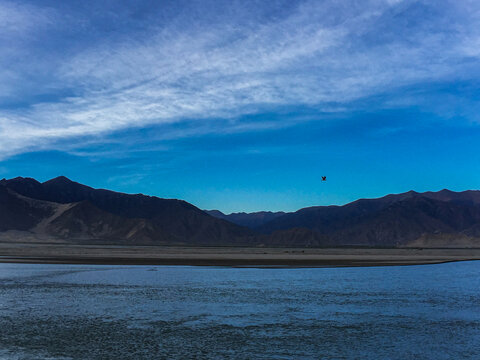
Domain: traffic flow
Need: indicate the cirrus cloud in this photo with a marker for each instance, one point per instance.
(95, 80)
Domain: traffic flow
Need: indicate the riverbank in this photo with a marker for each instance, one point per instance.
(227, 256)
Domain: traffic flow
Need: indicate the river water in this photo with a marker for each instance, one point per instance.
(181, 312)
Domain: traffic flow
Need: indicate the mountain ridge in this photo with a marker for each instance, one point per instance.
(167, 220)
(250, 220)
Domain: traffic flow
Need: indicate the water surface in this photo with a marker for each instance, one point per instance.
(162, 312)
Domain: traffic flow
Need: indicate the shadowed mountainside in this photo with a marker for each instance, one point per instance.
(107, 215)
(21, 213)
(443, 218)
(67, 211)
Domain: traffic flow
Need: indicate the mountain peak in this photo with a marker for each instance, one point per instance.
(23, 179)
(19, 183)
(59, 180)
(445, 191)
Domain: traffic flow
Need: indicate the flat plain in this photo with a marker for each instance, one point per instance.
(228, 256)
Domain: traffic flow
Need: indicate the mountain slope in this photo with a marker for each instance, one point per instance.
(331, 218)
(109, 215)
(393, 220)
(408, 220)
(20, 213)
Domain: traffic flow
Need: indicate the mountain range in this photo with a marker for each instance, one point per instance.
(61, 210)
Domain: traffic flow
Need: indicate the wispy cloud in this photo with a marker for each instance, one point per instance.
(322, 54)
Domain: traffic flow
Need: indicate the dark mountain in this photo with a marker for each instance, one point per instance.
(108, 215)
(20, 213)
(250, 220)
(63, 210)
(393, 220)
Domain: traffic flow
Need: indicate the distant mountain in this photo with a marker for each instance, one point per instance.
(96, 214)
(393, 220)
(250, 220)
(66, 211)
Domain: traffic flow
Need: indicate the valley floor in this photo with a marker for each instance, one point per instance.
(227, 256)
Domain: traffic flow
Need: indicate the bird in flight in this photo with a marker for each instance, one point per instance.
(324, 178)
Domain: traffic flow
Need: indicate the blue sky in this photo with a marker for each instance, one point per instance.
(243, 105)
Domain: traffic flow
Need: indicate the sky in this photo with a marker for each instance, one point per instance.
(243, 105)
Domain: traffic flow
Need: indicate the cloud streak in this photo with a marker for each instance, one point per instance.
(317, 54)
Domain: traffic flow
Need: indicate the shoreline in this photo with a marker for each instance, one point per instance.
(31, 253)
(238, 263)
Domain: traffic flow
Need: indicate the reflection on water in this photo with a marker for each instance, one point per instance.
(156, 312)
